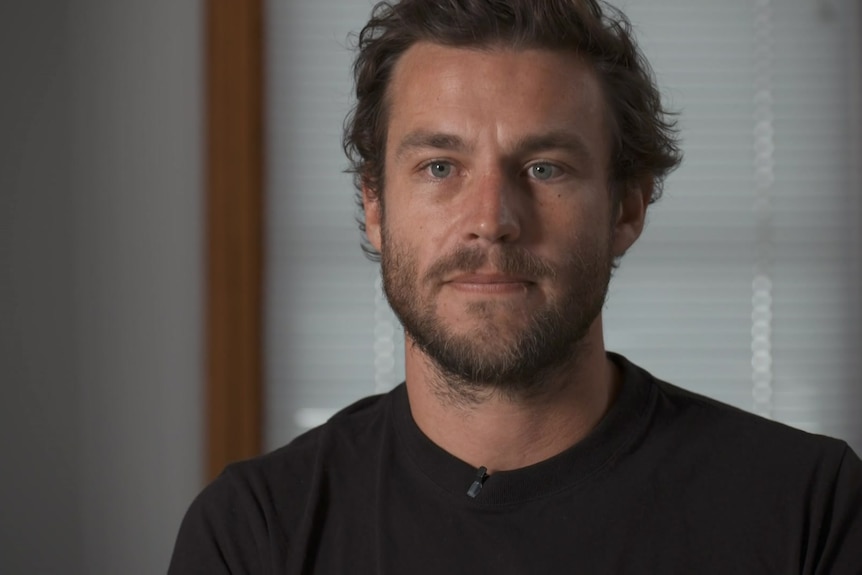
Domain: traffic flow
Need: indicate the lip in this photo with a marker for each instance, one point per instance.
(489, 282)
(488, 278)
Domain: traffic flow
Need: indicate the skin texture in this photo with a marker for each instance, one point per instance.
(497, 241)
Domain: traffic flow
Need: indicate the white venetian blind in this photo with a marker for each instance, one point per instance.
(745, 285)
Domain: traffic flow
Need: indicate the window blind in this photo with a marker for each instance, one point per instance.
(745, 283)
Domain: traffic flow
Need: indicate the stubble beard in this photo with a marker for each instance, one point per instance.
(496, 357)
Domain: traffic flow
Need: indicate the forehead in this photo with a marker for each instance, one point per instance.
(496, 92)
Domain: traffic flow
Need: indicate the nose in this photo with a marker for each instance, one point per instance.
(492, 212)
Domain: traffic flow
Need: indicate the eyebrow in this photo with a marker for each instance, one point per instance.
(554, 140)
(422, 139)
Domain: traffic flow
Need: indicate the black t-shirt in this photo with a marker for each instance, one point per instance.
(668, 482)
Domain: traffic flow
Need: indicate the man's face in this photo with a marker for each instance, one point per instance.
(498, 232)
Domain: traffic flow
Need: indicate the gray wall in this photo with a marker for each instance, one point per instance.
(100, 282)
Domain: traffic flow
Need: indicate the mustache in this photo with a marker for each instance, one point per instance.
(509, 260)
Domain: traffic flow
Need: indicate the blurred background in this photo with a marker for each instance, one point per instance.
(745, 285)
(101, 293)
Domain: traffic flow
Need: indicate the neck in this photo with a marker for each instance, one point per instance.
(504, 430)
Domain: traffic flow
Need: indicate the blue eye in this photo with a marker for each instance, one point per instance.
(543, 171)
(439, 169)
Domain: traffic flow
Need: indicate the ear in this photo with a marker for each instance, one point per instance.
(373, 215)
(631, 214)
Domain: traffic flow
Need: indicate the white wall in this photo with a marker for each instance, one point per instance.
(100, 282)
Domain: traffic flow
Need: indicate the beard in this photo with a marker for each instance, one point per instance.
(513, 352)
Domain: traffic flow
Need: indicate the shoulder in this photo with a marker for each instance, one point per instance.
(261, 503)
(726, 427)
(694, 418)
(346, 439)
(809, 484)
(758, 483)
(712, 438)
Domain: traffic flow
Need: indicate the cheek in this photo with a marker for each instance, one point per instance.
(403, 240)
(584, 240)
(424, 229)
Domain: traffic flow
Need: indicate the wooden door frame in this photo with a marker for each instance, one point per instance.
(234, 230)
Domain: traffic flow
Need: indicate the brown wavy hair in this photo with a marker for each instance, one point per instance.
(644, 134)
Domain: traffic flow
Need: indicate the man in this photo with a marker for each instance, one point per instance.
(505, 152)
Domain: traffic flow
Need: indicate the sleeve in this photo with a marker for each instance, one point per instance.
(217, 535)
(840, 544)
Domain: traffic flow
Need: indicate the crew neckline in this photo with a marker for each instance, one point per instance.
(624, 422)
